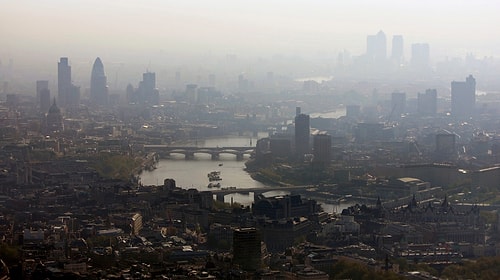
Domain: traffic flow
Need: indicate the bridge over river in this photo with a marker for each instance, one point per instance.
(190, 151)
(305, 190)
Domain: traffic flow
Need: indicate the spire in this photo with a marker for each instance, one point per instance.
(445, 203)
(413, 202)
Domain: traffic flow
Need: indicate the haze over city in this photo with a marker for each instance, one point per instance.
(318, 139)
(171, 34)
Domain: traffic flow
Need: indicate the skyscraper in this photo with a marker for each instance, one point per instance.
(43, 96)
(146, 93)
(302, 132)
(376, 47)
(397, 51)
(64, 85)
(463, 98)
(98, 85)
(148, 89)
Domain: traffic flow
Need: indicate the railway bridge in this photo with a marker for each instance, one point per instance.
(190, 151)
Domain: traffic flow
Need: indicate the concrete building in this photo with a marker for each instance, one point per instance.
(63, 81)
(302, 134)
(397, 51)
(247, 248)
(463, 98)
(322, 148)
(376, 47)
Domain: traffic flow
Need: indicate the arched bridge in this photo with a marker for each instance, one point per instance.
(189, 152)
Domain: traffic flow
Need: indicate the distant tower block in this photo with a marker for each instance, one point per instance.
(463, 98)
(302, 134)
(63, 81)
(397, 52)
(43, 96)
(98, 85)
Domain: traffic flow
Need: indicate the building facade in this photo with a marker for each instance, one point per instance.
(463, 98)
(98, 85)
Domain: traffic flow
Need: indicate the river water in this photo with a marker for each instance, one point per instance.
(193, 173)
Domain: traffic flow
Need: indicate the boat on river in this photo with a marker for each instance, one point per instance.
(213, 185)
(214, 176)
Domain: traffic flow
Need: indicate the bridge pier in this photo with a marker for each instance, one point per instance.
(189, 155)
(215, 156)
(239, 156)
(220, 197)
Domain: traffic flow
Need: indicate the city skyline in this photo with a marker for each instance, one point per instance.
(128, 30)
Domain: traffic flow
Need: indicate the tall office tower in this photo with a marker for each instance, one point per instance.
(43, 96)
(98, 85)
(247, 248)
(151, 94)
(149, 81)
(397, 52)
(427, 103)
(322, 148)
(463, 98)
(302, 132)
(398, 105)
(63, 81)
(376, 47)
(420, 56)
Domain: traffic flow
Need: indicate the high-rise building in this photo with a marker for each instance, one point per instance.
(398, 105)
(427, 103)
(376, 47)
(148, 89)
(98, 85)
(397, 51)
(302, 131)
(247, 248)
(322, 148)
(63, 81)
(146, 93)
(463, 98)
(43, 96)
(420, 56)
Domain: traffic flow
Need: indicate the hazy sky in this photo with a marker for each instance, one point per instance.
(140, 28)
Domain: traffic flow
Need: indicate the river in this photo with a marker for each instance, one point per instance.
(193, 173)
